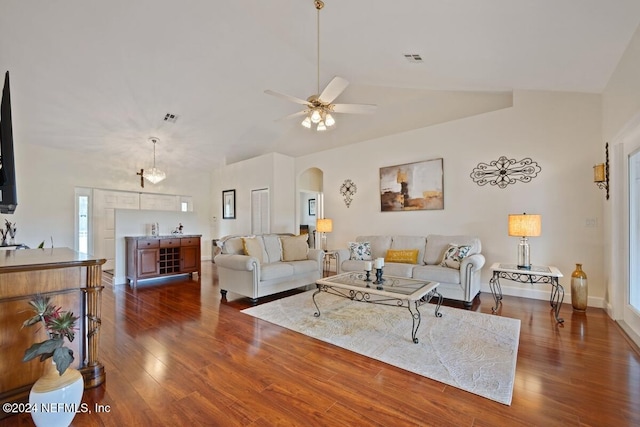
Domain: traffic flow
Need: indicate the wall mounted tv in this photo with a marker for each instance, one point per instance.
(8, 197)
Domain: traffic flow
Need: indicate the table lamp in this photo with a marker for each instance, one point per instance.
(523, 226)
(323, 226)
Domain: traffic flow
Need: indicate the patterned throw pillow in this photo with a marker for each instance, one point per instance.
(360, 251)
(453, 256)
(405, 256)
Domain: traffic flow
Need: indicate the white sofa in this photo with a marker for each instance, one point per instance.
(256, 266)
(462, 284)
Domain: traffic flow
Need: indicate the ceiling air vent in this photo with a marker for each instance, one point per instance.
(414, 58)
(169, 117)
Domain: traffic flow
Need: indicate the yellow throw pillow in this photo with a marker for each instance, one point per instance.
(252, 247)
(406, 256)
(294, 248)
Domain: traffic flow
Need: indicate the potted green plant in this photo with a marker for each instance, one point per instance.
(58, 392)
(58, 325)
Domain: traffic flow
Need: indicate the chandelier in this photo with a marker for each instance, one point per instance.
(154, 175)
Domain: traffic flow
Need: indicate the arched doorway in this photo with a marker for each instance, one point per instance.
(310, 204)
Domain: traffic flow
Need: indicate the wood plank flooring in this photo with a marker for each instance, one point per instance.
(175, 355)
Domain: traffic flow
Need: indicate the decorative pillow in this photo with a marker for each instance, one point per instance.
(406, 256)
(360, 251)
(453, 256)
(294, 248)
(252, 247)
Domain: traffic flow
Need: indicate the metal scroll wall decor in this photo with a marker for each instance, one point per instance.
(348, 189)
(503, 172)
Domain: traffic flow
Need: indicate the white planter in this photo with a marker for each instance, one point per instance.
(55, 398)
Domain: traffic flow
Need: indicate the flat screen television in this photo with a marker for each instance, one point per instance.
(8, 194)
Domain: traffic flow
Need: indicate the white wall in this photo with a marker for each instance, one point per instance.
(273, 171)
(621, 107)
(47, 177)
(560, 131)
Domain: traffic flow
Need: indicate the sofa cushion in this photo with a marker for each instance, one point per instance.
(254, 247)
(438, 244)
(435, 273)
(397, 269)
(273, 247)
(276, 270)
(359, 251)
(379, 244)
(352, 265)
(406, 256)
(301, 267)
(410, 242)
(294, 248)
(454, 255)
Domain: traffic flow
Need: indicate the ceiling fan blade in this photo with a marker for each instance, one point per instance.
(287, 97)
(333, 90)
(290, 116)
(355, 108)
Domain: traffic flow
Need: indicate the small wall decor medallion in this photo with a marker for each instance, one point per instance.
(348, 189)
(503, 172)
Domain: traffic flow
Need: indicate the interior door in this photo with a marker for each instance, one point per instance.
(632, 307)
(260, 211)
(105, 202)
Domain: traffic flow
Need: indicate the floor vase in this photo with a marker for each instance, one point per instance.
(579, 289)
(56, 397)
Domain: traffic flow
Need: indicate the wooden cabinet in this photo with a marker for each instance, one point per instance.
(149, 257)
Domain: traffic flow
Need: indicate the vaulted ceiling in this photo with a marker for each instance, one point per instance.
(101, 75)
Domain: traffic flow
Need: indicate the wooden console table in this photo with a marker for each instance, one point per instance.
(74, 282)
(149, 257)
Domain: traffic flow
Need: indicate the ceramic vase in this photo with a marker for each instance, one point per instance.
(56, 397)
(579, 289)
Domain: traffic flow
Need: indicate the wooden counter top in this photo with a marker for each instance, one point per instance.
(42, 259)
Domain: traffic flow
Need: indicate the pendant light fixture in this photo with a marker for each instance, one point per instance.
(154, 175)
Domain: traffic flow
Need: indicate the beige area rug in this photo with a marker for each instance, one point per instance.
(472, 351)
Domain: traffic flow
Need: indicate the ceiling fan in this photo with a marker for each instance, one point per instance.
(319, 107)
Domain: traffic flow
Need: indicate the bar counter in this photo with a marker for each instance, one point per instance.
(73, 281)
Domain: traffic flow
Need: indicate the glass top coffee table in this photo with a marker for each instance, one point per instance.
(393, 291)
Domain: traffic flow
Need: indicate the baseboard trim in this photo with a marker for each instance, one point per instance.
(631, 335)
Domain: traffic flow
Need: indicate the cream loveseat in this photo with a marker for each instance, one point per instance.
(256, 266)
(422, 258)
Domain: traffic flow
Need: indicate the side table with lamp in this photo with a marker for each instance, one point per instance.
(524, 226)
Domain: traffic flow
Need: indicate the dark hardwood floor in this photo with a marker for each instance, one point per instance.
(175, 355)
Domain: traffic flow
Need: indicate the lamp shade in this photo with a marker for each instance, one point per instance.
(598, 173)
(324, 225)
(523, 225)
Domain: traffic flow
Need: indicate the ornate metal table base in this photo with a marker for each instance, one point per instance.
(527, 276)
(365, 296)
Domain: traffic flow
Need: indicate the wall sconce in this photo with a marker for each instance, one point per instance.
(601, 172)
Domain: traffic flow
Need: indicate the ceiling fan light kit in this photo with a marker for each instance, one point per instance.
(319, 108)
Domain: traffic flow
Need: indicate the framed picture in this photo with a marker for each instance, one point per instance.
(412, 186)
(312, 206)
(229, 204)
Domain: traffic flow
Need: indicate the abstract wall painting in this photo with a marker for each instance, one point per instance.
(412, 186)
